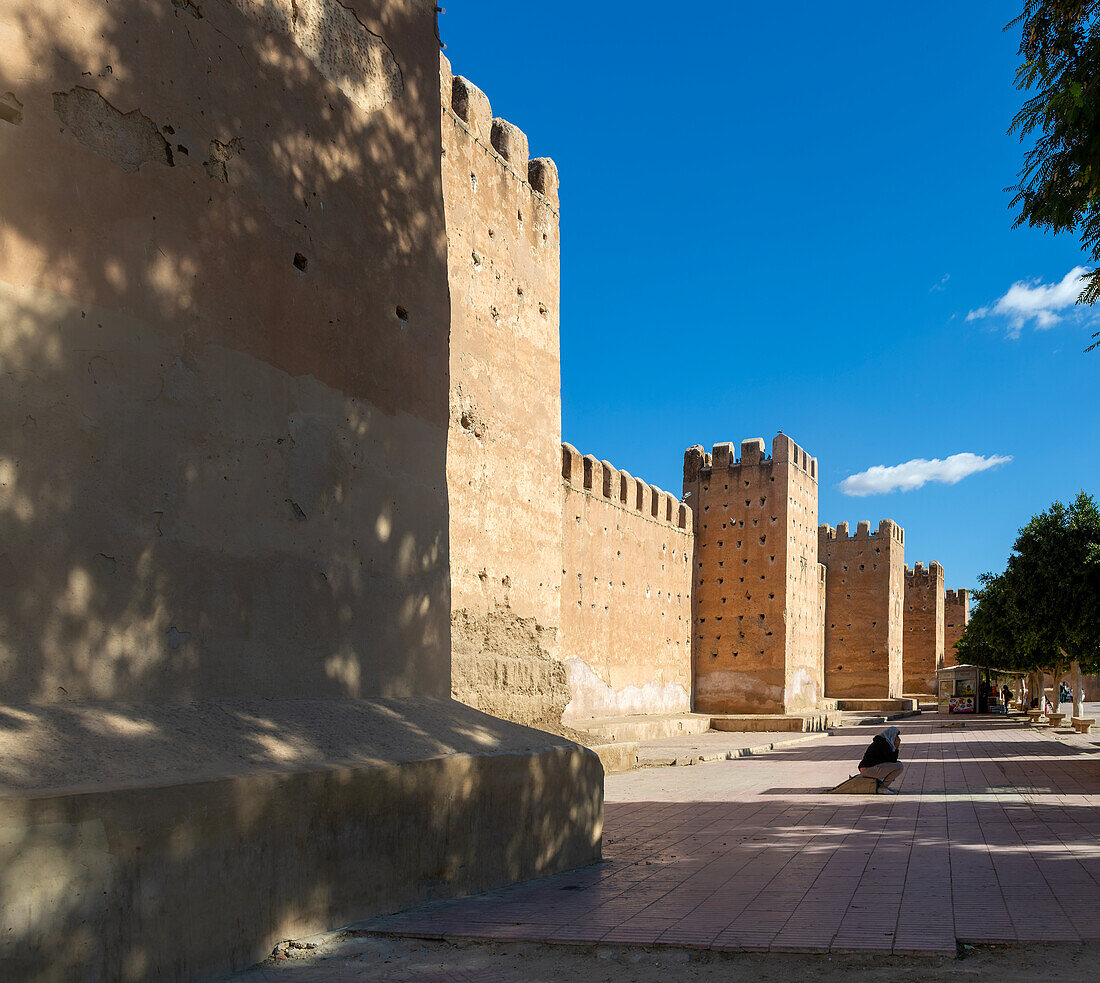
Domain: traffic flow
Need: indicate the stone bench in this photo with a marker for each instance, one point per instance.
(1056, 719)
(1082, 724)
(1034, 716)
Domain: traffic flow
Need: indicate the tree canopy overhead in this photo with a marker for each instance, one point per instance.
(1059, 183)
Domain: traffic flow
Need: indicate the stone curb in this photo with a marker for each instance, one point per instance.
(617, 757)
(730, 754)
(865, 721)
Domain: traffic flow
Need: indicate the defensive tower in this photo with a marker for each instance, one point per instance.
(922, 651)
(504, 437)
(758, 591)
(956, 616)
(864, 598)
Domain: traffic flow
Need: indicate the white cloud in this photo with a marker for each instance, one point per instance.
(914, 474)
(1035, 300)
(942, 285)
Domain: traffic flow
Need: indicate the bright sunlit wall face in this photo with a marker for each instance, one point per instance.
(224, 331)
(758, 597)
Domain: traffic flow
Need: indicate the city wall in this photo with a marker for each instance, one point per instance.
(223, 448)
(626, 592)
(758, 592)
(504, 434)
(956, 616)
(225, 313)
(922, 650)
(865, 592)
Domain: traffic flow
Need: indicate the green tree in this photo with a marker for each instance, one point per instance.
(1055, 565)
(1059, 183)
(1042, 614)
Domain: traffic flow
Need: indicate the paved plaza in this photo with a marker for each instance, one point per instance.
(994, 837)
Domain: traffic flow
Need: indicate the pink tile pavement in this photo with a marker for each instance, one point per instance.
(995, 837)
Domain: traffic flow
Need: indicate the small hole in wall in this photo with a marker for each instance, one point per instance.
(401, 313)
(300, 262)
(492, 234)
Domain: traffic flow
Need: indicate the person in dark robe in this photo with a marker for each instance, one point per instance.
(880, 760)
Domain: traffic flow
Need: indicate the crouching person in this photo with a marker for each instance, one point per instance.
(880, 760)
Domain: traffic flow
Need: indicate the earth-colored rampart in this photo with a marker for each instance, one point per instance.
(757, 588)
(865, 585)
(922, 651)
(956, 616)
(626, 592)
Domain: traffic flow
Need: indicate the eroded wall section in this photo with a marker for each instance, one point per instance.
(864, 598)
(922, 649)
(223, 324)
(504, 443)
(758, 591)
(956, 616)
(626, 592)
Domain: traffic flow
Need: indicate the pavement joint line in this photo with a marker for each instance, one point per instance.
(993, 840)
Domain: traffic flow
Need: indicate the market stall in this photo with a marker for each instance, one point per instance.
(976, 689)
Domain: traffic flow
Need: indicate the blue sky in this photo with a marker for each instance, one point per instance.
(779, 217)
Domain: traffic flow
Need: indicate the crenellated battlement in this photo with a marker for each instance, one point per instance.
(958, 598)
(601, 479)
(919, 571)
(723, 457)
(887, 529)
(469, 108)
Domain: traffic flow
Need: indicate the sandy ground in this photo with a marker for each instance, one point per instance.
(374, 959)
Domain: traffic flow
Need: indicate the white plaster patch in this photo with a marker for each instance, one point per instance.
(341, 48)
(592, 697)
(802, 690)
(739, 685)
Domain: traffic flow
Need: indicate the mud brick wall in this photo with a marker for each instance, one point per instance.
(922, 649)
(865, 593)
(504, 442)
(757, 589)
(626, 592)
(956, 616)
(224, 314)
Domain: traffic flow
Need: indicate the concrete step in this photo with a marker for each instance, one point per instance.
(812, 722)
(887, 705)
(616, 757)
(643, 727)
(608, 731)
(713, 746)
(863, 719)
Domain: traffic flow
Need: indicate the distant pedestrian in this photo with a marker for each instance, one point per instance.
(1006, 695)
(880, 760)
